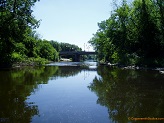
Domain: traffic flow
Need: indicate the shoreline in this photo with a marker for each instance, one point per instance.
(134, 67)
(124, 67)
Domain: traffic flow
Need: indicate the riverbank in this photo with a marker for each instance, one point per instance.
(134, 67)
(67, 62)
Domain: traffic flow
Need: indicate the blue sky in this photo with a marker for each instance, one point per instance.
(71, 21)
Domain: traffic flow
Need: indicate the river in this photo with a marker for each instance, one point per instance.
(68, 93)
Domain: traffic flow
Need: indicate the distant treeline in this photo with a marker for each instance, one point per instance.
(19, 41)
(133, 34)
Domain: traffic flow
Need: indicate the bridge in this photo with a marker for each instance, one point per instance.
(77, 54)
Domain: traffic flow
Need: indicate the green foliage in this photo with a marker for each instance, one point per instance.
(115, 57)
(65, 47)
(16, 17)
(69, 47)
(29, 61)
(133, 34)
(56, 45)
(30, 44)
(16, 57)
(36, 61)
(47, 51)
(19, 42)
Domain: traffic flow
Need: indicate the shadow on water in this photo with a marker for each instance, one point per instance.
(17, 84)
(129, 93)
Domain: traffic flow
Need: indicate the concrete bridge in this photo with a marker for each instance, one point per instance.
(77, 54)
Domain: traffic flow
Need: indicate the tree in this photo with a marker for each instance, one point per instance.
(15, 18)
(47, 51)
(133, 34)
(148, 33)
(56, 45)
(69, 47)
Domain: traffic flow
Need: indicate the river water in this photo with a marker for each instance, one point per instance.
(68, 93)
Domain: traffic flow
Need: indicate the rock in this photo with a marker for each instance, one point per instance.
(162, 72)
(111, 64)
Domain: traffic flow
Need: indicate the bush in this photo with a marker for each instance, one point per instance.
(16, 57)
(35, 61)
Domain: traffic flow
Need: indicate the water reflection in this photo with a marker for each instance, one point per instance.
(129, 93)
(66, 71)
(15, 87)
(65, 96)
(18, 84)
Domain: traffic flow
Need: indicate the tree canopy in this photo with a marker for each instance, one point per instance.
(19, 41)
(15, 19)
(133, 34)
